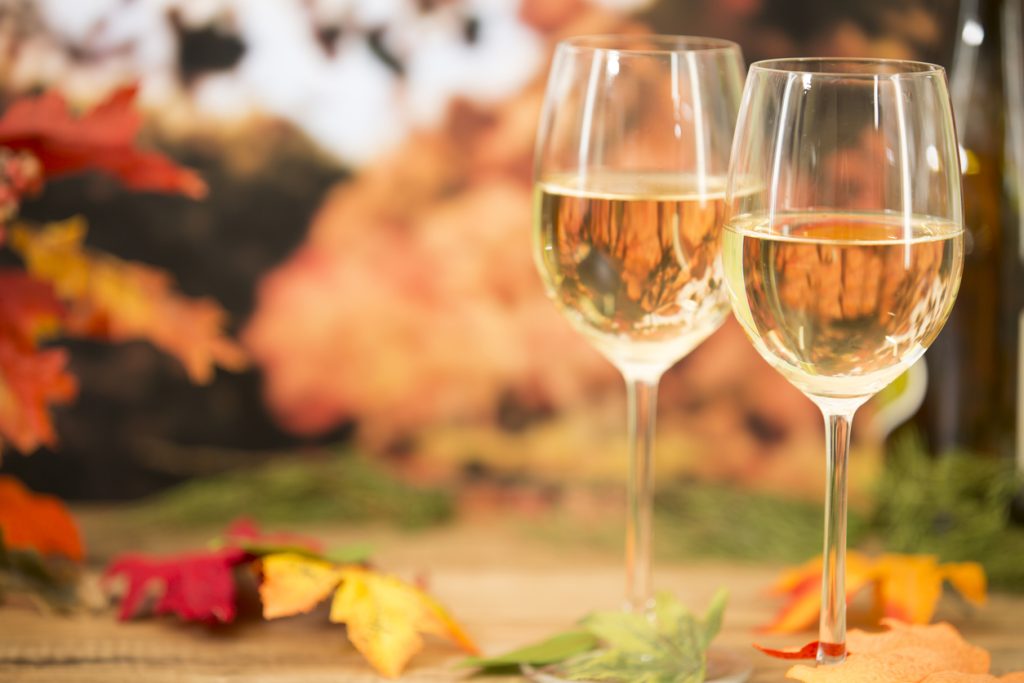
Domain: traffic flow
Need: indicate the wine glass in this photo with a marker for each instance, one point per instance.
(844, 245)
(631, 162)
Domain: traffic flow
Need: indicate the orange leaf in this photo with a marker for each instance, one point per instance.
(968, 578)
(29, 309)
(121, 300)
(906, 587)
(385, 617)
(904, 654)
(802, 587)
(30, 379)
(102, 139)
(32, 521)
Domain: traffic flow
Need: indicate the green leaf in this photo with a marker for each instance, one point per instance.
(51, 581)
(623, 631)
(350, 554)
(555, 649)
(357, 553)
(713, 617)
(615, 666)
(670, 646)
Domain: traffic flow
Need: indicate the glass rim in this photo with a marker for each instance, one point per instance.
(658, 43)
(832, 67)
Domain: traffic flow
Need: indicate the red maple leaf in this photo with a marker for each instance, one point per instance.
(808, 651)
(195, 586)
(103, 139)
(198, 586)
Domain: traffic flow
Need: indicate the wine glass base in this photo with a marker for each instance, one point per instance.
(724, 666)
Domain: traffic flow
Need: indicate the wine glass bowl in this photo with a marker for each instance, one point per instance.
(843, 248)
(632, 155)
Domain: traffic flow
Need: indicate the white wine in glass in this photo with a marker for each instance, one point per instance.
(843, 264)
(632, 261)
(630, 178)
(842, 304)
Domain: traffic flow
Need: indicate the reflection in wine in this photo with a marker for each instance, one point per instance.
(841, 304)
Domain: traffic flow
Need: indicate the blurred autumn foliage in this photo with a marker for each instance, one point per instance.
(69, 290)
(411, 310)
(414, 309)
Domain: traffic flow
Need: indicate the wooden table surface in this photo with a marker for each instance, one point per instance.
(506, 588)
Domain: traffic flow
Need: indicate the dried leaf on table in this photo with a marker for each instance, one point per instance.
(906, 653)
(557, 648)
(670, 649)
(619, 646)
(386, 617)
(102, 138)
(195, 586)
(909, 586)
(293, 584)
(121, 300)
(808, 651)
(906, 587)
(37, 522)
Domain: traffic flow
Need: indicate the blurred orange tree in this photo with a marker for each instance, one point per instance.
(65, 289)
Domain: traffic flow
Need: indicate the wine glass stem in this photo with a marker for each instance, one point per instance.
(642, 399)
(832, 631)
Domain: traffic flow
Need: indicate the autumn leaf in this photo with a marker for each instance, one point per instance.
(30, 379)
(906, 653)
(808, 651)
(120, 300)
(30, 382)
(32, 521)
(668, 646)
(102, 139)
(293, 584)
(907, 587)
(196, 586)
(21, 174)
(29, 309)
(385, 616)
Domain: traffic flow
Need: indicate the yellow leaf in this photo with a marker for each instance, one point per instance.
(385, 617)
(293, 584)
(906, 587)
(968, 578)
